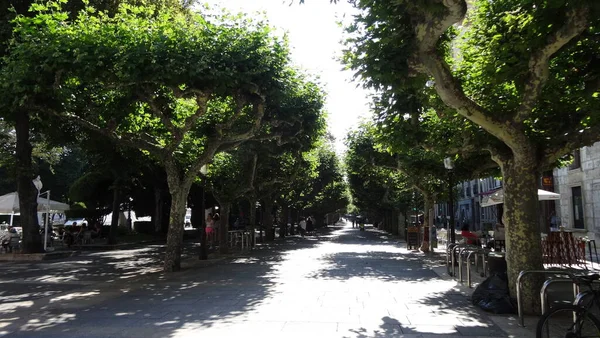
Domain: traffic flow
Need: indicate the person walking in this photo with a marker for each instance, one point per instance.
(210, 229)
(302, 227)
(309, 224)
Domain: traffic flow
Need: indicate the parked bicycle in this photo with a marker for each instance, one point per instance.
(575, 320)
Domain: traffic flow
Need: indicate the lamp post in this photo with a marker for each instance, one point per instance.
(37, 182)
(203, 251)
(449, 164)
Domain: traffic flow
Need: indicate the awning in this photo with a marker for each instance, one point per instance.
(498, 197)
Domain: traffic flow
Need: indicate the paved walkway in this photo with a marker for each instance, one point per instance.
(346, 284)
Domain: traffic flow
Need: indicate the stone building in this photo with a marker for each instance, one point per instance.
(579, 187)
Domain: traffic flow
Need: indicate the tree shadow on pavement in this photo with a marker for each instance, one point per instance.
(240, 290)
(383, 266)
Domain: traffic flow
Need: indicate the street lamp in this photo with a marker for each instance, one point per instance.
(37, 182)
(449, 164)
(203, 252)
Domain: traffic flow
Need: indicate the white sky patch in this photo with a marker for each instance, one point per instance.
(315, 37)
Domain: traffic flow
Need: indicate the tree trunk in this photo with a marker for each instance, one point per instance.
(198, 221)
(285, 217)
(158, 208)
(114, 222)
(28, 193)
(252, 202)
(394, 222)
(224, 227)
(269, 218)
(175, 233)
(523, 238)
(319, 217)
(428, 205)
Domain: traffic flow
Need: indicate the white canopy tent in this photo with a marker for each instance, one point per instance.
(9, 205)
(498, 197)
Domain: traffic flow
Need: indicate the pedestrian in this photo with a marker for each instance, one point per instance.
(5, 239)
(309, 224)
(553, 221)
(210, 224)
(302, 226)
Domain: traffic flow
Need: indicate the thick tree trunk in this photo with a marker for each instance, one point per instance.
(224, 227)
(269, 218)
(523, 238)
(175, 234)
(114, 222)
(158, 208)
(32, 240)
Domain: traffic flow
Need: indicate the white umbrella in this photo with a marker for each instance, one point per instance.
(497, 197)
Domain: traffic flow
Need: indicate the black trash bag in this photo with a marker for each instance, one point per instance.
(492, 295)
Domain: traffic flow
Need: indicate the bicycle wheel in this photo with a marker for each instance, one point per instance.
(559, 323)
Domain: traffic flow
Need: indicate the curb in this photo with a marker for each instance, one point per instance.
(37, 257)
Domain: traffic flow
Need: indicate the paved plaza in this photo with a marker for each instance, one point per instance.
(345, 283)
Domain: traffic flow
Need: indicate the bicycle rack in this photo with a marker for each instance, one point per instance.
(448, 256)
(484, 262)
(544, 291)
(462, 251)
(477, 253)
(455, 250)
(523, 274)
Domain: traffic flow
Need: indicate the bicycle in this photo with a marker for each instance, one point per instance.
(573, 320)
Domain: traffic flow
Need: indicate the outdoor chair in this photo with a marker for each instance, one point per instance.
(15, 244)
(87, 237)
(442, 237)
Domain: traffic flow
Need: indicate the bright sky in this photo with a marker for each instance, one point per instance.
(315, 41)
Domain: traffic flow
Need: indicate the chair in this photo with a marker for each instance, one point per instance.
(15, 243)
(87, 237)
(442, 237)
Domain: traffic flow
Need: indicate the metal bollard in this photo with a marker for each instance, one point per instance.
(523, 274)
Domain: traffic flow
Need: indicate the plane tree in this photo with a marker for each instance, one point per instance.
(525, 72)
(179, 88)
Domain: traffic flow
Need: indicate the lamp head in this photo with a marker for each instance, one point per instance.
(204, 170)
(37, 182)
(449, 163)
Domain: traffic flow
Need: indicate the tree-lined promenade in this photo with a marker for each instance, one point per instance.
(150, 95)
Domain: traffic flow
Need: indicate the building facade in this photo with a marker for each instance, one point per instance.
(579, 187)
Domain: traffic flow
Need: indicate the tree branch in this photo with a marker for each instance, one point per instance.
(450, 91)
(582, 139)
(539, 61)
(148, 96)
(131, 140)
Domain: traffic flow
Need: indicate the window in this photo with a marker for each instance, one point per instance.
(577, 208)
(576, 160)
